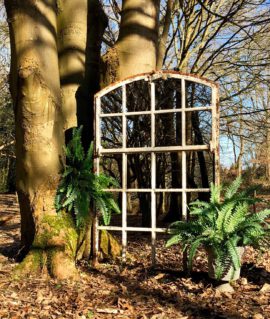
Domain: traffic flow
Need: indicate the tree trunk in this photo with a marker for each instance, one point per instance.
(239, 163)
(137, 45)
(72, 32)
(96, 24)
(90, 85)
(48, 238)
(136, 49)
(135, 52)
(268, 153)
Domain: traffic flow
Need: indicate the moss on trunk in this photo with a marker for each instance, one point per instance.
(109, 245)
(53, 249)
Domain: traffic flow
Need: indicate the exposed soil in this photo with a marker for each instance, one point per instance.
(135, 290)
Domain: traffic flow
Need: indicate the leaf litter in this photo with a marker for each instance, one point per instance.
(134, 290)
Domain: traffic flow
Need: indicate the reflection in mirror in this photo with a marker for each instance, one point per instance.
(198, 127)
(116, 219)
(168, 94)
(139, 170)
(139, 131)
(169, 207)
(168, 129)
(138, 96)
(200, 169)
(139, 209)
(169, 175)
(139, 176)
(111, 132)
(112, 101)
(198, 95)
(199, 174)
(169, 170)
(111, 165)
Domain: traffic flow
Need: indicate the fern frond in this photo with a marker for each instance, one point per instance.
(199, 204)
(233, 188)
(192, 250)
(220, 262)
(254, 232)
(79, 186)
(176, 239)
(233, 254)
(262, 215)
(69, 189)
(113, 205)
(88, 162)
(70, 199)
(215, 193)
(234, 220)
(57, 202)
(224, 214)
(102, 207)
(68, 170)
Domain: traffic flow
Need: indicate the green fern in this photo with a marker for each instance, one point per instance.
(231, 248)
(80, 188)
(223, 214)
(235, 218)
(222, 226)
(175, 239)
(193, 248)
(233, 188)
(215, 194)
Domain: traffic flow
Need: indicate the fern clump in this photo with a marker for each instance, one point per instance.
(79, 188)
(221, 225)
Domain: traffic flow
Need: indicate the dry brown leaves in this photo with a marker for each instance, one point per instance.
(135, 290)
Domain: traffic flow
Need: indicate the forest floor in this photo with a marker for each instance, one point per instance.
(133, 291)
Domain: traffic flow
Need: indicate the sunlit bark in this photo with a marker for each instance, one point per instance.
(35, 87)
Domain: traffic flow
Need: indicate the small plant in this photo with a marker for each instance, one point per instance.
(221, 226)
(80, 188)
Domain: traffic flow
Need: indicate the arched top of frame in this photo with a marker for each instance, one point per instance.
(158, 75)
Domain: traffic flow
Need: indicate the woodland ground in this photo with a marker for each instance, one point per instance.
(134, 291)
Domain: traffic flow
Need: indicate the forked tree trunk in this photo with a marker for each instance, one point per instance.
(38, 28)
(35, 86)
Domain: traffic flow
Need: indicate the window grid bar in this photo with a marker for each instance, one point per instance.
(98, 133)
(157, 190)
(97, 170)
(215, 134)
(153, 174)
(184, 154)
(133, 150)
(140, 229)
(124, 175)
(190, 109)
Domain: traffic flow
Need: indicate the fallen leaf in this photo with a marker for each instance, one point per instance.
(265, 288)
(159, 276)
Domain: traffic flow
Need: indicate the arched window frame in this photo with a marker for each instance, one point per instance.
(213, 147)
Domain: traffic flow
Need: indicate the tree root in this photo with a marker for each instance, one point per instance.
(51, 262)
